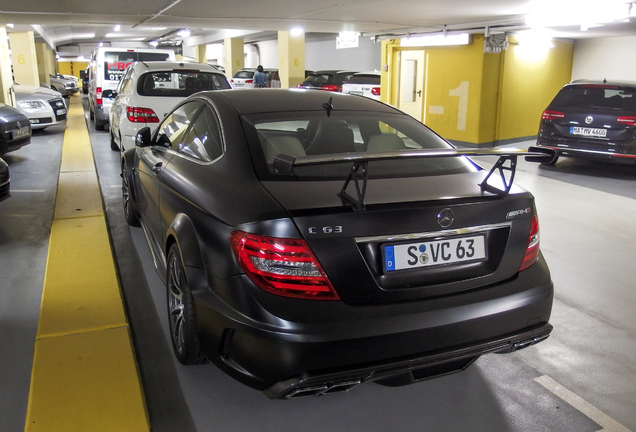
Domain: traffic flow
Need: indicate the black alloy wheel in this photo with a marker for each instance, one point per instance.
(183, 329)
(129, 211)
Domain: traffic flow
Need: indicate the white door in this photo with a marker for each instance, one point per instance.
(411, 87)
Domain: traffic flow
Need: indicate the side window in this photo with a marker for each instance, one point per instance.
(203, 141)
(173, 128)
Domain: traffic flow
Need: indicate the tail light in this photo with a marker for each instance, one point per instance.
(280, 266)
(141, 115)
(552, 115)
(532, 250)
(630, 121)
(332, 88)
(375, 91)
(98, 96)
(249, 81)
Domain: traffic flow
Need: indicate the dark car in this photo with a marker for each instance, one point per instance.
(310, 242)
(15, 129)
(328, 80)
(591, 119)
(85, 77)
(5, 182)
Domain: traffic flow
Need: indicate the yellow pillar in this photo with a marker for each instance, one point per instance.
(291, 64)
(24, 59)
(234, 55)
(46, 66)
(6, 78)
(202, 53)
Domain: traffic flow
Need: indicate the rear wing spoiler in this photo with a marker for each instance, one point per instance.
(505, 166)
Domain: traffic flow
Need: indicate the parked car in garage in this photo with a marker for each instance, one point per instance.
(64, 85)
(15, 129)
(44, 107)
(363, 84)
(149, 90)
(328, 80)
(310, 242)
(591, 119)
(244, 78)
(5, 181)
(85, 77)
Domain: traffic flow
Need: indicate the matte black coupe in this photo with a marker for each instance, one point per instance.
(313, 241)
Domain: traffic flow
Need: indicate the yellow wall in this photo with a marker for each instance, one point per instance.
(503, 94)
(530, 81)
(71, 68)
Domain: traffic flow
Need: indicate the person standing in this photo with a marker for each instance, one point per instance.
(260, 79)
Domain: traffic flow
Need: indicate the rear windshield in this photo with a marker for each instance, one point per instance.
(596, 96)
(314, 133)
(244, 74)
(179, 83)
(363, 79)
(318, 80)
(116, 62)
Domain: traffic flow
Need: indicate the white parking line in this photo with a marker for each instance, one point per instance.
(27, 191)
(606, 422)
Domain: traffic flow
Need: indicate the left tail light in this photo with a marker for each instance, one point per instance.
(332, 88)
(141, 115)
(375, 91)
(282, 266)
(532, 249)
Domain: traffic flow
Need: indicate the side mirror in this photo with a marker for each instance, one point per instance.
(113, 94)
(142, 139)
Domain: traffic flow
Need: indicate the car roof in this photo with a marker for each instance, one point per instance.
(253, 101)
(169, 65)
(602, 82)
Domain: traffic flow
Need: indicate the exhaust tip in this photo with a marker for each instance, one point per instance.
(323, 389)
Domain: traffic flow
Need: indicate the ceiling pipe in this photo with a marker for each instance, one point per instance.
(174, 3)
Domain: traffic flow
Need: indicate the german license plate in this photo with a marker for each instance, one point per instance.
(238, 84)
(60, 112)
(359, 93)
(434, 253)
(584, 131)
(20, 133)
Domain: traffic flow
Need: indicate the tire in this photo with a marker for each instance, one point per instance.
(91, 115)
(113, 144)
(183, 330)
(99, 125)
(129, 211)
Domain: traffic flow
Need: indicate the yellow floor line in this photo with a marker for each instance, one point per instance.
(84, 374)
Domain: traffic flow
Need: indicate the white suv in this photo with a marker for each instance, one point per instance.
(148, 90)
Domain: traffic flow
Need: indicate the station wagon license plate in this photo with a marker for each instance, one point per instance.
(584, 131)
(20, 133)
(434, 253)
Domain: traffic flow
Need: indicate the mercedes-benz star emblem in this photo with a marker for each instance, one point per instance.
(589, 119)
(445, 218)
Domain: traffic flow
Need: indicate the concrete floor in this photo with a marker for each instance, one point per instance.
(587, 235)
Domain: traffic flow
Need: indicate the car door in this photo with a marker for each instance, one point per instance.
(152, 162)
(118, 111)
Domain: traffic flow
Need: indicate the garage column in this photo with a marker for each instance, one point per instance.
(6, 78)
(291, 64)
(234, 55)
(46, 66)
(24, 58)
(202, 53)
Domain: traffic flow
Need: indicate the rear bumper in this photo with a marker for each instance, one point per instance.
(625, 158)
(326, 347)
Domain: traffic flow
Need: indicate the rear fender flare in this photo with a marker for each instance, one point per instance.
(182, 232)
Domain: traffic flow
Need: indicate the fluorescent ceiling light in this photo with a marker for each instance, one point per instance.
(117, 28)
(436, 40)
(296, 31)
(184, 33)
(585, 13)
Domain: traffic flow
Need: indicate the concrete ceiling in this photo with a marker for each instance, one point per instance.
(69, 22)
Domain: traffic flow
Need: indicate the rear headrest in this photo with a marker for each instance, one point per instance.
(282, 144)
(385, 142)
